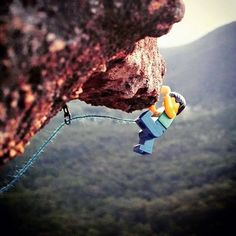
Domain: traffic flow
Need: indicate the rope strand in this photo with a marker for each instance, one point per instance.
(20, 172)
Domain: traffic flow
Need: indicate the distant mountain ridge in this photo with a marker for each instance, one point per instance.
(205, 68)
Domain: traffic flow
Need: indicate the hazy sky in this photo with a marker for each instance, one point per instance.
(201, 16)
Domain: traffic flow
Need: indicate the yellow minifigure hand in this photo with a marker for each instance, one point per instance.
(165, 90)
(156, 114)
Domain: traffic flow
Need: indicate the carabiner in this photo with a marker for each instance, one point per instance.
(67, 115)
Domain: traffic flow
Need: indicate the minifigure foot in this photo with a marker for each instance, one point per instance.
(142, 150)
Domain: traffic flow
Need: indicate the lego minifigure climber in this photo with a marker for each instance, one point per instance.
(154, 122)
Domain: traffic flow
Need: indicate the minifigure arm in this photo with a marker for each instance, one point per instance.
(171, 107)
(153, 108)
(156, 112)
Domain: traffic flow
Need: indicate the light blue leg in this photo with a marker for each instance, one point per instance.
(145, 148)
(150, 131)
(146, 122)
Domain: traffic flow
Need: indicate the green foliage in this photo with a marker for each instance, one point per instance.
(89, 182)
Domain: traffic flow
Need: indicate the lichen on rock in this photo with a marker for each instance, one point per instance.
(101, 51)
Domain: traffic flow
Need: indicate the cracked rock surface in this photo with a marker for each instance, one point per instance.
(103, 52)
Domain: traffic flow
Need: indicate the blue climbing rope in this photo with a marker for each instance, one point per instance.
(36, 155)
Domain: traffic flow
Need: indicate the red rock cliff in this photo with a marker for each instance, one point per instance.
(103, 52)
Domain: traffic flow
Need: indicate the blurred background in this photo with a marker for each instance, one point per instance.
(89, 181)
